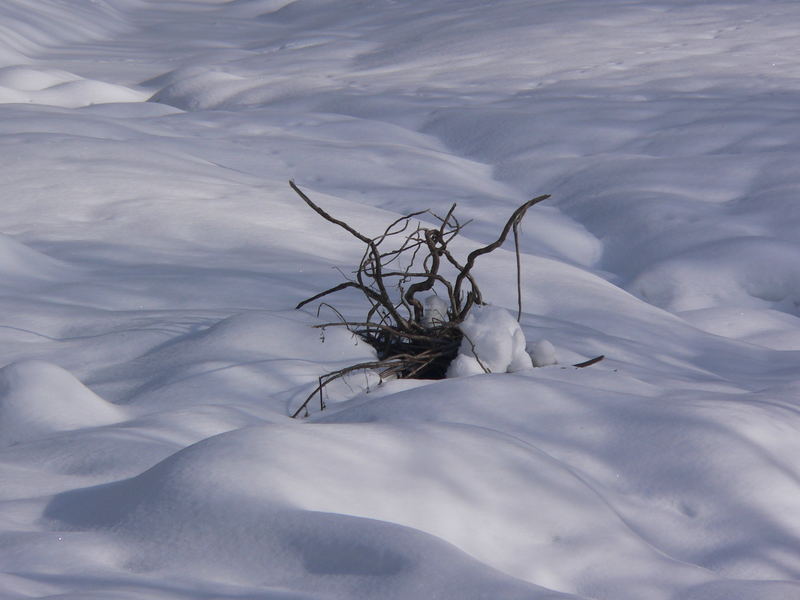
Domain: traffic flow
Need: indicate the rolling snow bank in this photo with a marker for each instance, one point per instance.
(26, 31)
(20, 265)
(151, 253)
(289, 525)
(60, 88)
(38, 399)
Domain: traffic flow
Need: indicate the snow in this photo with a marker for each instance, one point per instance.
(60, 88)
(435, 311)
(151, 254)
(543, 354)
(40, 398)
(493, 342)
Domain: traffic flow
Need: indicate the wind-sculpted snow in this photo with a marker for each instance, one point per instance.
(20, 264)
(290, 523)
(60, 88)
(28, 30)
(705, 442)
(151, 254)
(37, 399)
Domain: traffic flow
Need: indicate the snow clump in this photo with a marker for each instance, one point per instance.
(543, 354)
(493, 341)
(435, 313)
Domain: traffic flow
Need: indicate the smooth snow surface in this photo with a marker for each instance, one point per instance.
(151, 254)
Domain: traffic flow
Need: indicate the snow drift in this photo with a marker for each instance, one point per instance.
(151, 253)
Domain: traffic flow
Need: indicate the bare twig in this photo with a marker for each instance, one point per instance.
(590, 362)
(328, 217)
(375, 259)
(407, 335)
(475, 354)
(472, 256)
(519, 271)
(336, 288)
(329, 377)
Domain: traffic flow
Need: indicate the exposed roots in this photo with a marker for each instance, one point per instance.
(412, 339)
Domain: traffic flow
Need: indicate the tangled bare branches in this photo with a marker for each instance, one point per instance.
(398, 266)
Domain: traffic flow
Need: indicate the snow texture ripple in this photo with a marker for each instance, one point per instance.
(151, 254)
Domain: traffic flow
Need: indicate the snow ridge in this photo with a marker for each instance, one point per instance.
(151, 254)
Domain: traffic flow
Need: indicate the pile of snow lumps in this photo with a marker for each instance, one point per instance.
(493, 343)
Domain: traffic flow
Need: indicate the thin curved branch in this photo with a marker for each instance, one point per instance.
(519, 271)
(590, 362)
(472, 256)
(328, 217)
(327, 378)
(422, 286)
(382, 293)
(337, 288)
(387, 328)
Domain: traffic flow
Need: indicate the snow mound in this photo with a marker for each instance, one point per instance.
(763, 327)
(666, 133)
(30, 79)
(238, 358)
(613, 443)
(39, 398)
(20, 263)
(493, 341)
(178, 515)
(543, 354)
(256, 335)
(752, 272)
(197, 88)
(53, 87)
(74, 94)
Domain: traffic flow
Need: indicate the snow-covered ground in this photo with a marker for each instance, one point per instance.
(151, 254)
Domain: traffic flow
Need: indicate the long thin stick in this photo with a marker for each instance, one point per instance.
(516, 217)
(519, 271)
(590, 362)
(382, 295)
